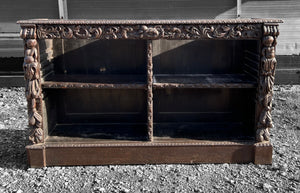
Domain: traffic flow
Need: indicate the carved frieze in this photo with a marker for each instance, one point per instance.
(183, 31)
(266, 82)
(33, 91)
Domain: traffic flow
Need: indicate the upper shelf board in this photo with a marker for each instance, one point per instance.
(203, 81)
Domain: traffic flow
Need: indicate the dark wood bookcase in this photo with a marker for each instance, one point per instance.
(149, 91)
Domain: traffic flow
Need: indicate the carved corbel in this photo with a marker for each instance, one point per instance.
(266, 81)
(28, 31)
(33, 90)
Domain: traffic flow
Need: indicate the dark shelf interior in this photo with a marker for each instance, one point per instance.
(100, 111)
(206, 62)
(224, 113)
(197, 57)
(203, 90)
(101, 57)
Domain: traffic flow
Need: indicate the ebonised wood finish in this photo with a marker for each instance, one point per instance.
(122, 80)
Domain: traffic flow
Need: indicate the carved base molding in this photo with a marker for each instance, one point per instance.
(54, 154)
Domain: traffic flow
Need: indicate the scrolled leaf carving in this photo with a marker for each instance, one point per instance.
(230, 31)
(49, 32)
(66, 32)
(125, 31)
(112, 32)
(95, 32)
(172, 32)
(151, 31)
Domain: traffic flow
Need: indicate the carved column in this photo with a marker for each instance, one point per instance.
(150, 90)
(266, 82)
(33, 90)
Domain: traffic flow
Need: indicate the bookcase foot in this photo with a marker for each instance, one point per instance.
(263, 153)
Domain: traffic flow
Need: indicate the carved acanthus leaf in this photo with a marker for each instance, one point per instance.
(205, 31)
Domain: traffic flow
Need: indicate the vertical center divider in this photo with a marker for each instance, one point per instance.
(149, 91)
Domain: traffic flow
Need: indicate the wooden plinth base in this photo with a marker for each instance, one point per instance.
(161, 152)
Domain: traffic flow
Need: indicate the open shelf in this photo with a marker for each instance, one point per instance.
(203, 81)
(96, 113)
(219, 113)
(173, 132)
(218, 81)
(117, 81)
(97, 64)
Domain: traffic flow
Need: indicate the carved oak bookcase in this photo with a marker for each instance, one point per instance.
(149, 91)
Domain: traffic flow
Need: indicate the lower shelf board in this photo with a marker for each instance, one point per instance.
(203, 81)
(112, 81)
(117, 131)
(55, 152)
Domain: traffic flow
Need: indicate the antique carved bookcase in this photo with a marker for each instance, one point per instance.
(149, 91)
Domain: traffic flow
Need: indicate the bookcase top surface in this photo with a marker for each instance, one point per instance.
(153, 21)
